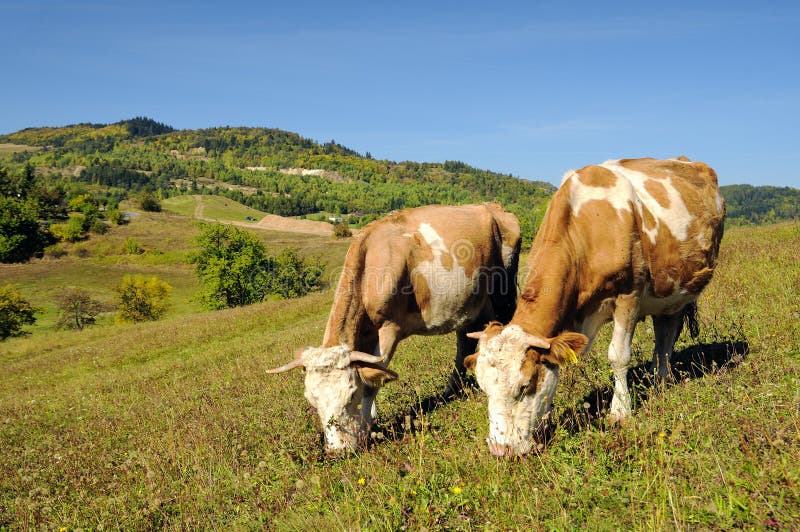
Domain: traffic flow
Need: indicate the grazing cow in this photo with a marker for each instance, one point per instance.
(429, 270)
(620, 241)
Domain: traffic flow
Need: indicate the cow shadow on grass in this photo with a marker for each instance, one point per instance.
(692, 362)
(409, 421)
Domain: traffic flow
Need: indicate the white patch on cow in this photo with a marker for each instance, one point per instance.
(720, 202)
(676, 217)
(449, 288)
(332, 386)
(650, 305)
(508, 255)
(618, 196)
(513, 415)
(630, 188)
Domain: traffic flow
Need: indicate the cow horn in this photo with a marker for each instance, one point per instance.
(536, 341)
(476, 335)
(358, 356)
(296, 363)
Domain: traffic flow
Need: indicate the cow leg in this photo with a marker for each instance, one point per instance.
(464, 347)
(619, 353)
(667, 329)
(388, 338)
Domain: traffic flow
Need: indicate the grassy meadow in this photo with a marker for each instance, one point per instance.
(174, 424)
(211, 208)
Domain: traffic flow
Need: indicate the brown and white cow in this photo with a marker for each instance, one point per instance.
(620, 241)
(428, 270)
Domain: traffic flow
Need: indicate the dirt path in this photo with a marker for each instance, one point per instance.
(199, 207)
(272, 222)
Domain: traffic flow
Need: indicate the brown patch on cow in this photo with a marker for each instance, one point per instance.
(658, 192)
(532, 371)
(648, 220)
(683, 158)
(597, 176)
(608, 240)
(422, 292)
(447, 261)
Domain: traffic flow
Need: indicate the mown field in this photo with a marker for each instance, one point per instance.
(211, 208)
(174, 424)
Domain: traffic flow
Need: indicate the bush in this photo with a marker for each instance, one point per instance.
(292, 275)
(148, 202)
(342, 230)
(116, 217)
(132, 247)
(15, 313)
(78, 309)
(81, 251)
(56, 251)
(234, 269)
(98, 227)
(72, 231)
(21, 236)
(141, 298)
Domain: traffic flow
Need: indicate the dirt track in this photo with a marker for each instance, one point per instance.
(279, 223)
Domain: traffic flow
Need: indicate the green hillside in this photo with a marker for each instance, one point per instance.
(263, 169)
(760, 205)
(174, 424)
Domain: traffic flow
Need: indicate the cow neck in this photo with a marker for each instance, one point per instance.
(549, 290)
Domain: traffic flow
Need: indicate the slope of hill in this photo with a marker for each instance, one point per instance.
(174, 424)
(758, 205)
(142, 153)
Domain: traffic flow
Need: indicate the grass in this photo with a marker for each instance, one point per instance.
(210, 208)
(164, 240)
(174, 424)
(6, 148)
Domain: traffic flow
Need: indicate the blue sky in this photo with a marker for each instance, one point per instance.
(530, 88)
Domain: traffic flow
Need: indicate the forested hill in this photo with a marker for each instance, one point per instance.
(284, 173)
(760, 205)
(269, 169)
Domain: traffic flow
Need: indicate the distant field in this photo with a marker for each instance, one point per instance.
(174, 424)
(6, 148)
(99, 263)
(211, 208)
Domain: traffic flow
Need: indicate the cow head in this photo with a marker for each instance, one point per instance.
(519, 373)
(334, 382)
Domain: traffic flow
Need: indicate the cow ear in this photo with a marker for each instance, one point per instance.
(471, 360)
(565, 348)
(376, 376)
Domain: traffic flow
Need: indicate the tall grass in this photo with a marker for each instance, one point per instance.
(174, 424)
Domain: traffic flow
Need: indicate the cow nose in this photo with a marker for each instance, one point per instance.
(499, 450)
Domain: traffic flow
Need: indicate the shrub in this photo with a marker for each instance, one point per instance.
(72, 231)
(142, 298)
(21, 236)
(56, 251)
(292, 275)
(15, 313)
(132, 247)
(78, 309)
(116, 217)
(234, 269)
(342, 230)
(98, 227)
(148, 202)
(81, 251)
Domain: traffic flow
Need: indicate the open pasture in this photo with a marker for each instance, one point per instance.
(175, 424)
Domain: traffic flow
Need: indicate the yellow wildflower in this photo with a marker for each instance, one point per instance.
(455, 489)
(361, 481)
